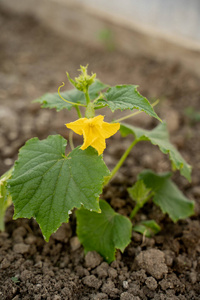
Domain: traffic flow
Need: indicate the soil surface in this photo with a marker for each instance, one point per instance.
(33, 61)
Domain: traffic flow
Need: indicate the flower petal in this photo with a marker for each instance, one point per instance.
(99, 144)
(77, 126)
(89, 136)
(109, 129)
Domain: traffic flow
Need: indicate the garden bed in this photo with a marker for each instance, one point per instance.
(34, 61)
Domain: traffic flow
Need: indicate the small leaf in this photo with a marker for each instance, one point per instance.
(52, 100)
(15, 279)
(138, 192)
(167, 195)
(159, 136)
(127, 97)
(104, 232)
(47, 185)
(148, 228)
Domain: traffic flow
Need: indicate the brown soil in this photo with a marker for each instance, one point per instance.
(33, 61)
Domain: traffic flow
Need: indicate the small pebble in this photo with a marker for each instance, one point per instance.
(125, 284)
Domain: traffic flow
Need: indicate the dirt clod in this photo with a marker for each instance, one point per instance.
(112, 272)
(93, 259)
(151, 283)
(21, 248)
(128, 296)
(5, 264)
(92, 281)
(110, 289)
(100, 296)
(153, 262)
(75, 243)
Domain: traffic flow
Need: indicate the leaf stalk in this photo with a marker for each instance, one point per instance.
(140, 205)
(135, 113)
(121, 161)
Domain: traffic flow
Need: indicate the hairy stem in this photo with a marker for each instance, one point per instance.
(78, 112)
(71, 140)
(87, 97)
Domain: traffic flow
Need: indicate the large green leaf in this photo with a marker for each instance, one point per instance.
(52, 100)
(167, 195)
(47, 185)
(159, 136)
(104, 232)
(127, 97)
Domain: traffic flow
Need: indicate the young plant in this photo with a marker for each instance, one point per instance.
(192, 114)
(5, 198)
(106, 36)
(47, 184)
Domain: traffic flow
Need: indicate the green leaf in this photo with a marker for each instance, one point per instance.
(52, 100)
(138, 192)
(167, 195)
(147, 228)
(47, 185)
(159, 136)
(104, 232)
(127, 97)
(5, 198)
(15, 279)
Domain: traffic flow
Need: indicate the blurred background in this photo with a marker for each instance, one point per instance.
(149, 26)
(154, 44)
(151, 43)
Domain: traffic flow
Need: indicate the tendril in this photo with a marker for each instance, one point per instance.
(78, 104)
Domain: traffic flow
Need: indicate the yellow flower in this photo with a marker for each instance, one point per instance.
(94, 131)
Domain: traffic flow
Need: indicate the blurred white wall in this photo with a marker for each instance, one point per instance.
(178, 20)
(163, 29)
(175, 17)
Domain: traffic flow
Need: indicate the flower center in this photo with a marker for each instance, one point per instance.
(90, 123)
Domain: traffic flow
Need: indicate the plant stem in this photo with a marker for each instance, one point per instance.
(140, 205)
(89, 112)
(71, 140)
(134, 211)
(78, 112)
(121, 161)
(87, 97)
(135, 113)
(2, 226)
